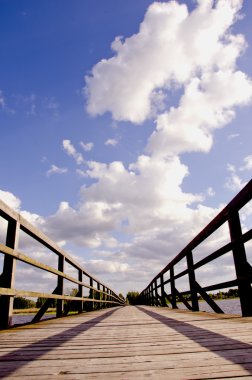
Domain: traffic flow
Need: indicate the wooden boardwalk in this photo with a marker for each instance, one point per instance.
(130, 343)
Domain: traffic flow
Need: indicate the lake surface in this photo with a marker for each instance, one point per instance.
(26, 318)
(229, 306)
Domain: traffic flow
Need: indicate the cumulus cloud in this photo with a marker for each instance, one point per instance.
(195, 55)
(207, 104)
(71, 151)
(10, 199)
(56, 170)
(171, 47)
(87, 146)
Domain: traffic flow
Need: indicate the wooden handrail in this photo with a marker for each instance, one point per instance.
(230, 215)
(100, 296)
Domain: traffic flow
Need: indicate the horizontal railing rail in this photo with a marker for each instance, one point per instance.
(156, 294)
(100, 295)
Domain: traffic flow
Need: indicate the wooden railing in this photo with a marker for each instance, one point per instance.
(100, 295)
(156, 292)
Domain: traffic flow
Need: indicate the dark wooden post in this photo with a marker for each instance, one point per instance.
(241, 265)
(192, 282)
(156, 294)
(152, 295)
(163, 300)
(99, 295)
(80, 290)
(7, 278)
(173, 292)
(91, 294)
(60, 287)
(103, 296)
(149, 296)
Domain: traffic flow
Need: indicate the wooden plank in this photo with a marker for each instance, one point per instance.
(130, 342)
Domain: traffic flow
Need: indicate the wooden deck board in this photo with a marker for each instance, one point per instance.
(130, 343)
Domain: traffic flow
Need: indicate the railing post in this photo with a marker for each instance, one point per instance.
(91, 294)
(163, 300)
(192, 282)
(7, 278)
(149, 295)
(173, 293)
(103, 297)
(241, 264)
(80, 290)
(99, 295)
(60, 287)
(156, 294)
(152, 295)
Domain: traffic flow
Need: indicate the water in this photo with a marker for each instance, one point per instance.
(26, 318)
(229, 306)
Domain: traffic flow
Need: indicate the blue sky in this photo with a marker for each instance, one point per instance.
(115, 136)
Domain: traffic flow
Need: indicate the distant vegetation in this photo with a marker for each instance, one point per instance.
(132, 298)
(23, 303)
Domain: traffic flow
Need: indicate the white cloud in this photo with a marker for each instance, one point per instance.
(81, 173)
(101, 266)
(233, 136)
(10, 199)
(171, 47)
(247, 163)
(56, 170)
(208, 103)
(211, 192)
(71, 151)
(234, 182)
(87, 146)
(112, 142)
(195, 55)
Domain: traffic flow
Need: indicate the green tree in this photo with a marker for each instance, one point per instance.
(121, 296)
(23, 303)
(132, 298)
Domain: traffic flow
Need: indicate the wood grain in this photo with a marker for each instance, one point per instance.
(129, 343)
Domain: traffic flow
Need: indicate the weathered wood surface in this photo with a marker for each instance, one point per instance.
(130, 343)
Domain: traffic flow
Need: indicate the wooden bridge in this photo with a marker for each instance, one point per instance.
(154, 339)
(130, 343)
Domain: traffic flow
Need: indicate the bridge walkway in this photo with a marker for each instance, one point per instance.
(129, 343)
